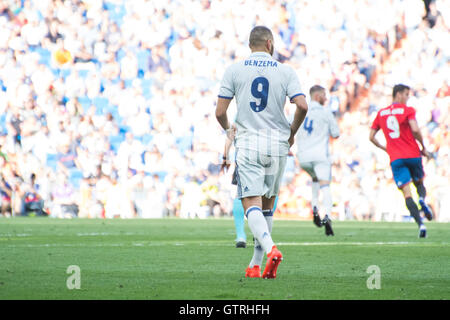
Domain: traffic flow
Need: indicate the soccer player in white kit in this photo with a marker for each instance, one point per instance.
(263, 138)
(313, 153)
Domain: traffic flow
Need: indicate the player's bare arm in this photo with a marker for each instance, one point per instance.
(374, 140)
(231, 133)
(418, 136)
(299, 116)
(221, 112)
(225, 160)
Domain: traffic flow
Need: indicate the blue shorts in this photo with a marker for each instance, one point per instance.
(405, 170)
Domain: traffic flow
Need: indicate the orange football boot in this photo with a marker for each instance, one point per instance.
(254, 272)
(274, 258)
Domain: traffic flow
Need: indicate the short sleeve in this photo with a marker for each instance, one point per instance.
(410, 113)
(294, 88)
(376, 122)
(226, 90)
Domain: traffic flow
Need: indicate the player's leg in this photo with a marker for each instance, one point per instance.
(327, 205)
(322, 170)
(309, 168)
(268, 205)
(258, 225)
(417, 173)
(257, 258)
(238, 216)
(326, 194)
(256, 221)
(413, 209)
(274, 172)
(402, 178)
(315, 187)
(250, 184)
(315, 202)
(258, 252)
(259, 229)
(422, 192)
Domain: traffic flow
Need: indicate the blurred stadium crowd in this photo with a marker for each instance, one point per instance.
(107, 107)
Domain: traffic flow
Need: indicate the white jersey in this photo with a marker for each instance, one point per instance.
(314, 134)
(261, 85)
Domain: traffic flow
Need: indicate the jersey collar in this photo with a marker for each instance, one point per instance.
(260, 54)
(315, 104)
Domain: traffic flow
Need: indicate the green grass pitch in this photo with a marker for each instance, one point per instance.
(196, 260)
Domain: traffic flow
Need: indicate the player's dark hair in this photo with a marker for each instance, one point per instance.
(259, 35)
(315, 89)
(399, 88)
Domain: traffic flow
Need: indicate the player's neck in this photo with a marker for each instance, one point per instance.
(260, 50)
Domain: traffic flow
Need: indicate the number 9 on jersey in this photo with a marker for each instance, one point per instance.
(260, 90)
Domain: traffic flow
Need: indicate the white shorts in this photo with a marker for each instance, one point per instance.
(258, 174)
(320, 170)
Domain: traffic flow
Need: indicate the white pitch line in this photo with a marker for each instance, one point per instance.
(94, 234)
(226, 244)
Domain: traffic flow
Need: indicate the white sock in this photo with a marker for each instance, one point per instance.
(327, 201)
(268, 215)
(258, 252)
(315, 194)
(258, 225)
(258, 255)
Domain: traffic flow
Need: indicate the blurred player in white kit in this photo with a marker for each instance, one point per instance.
(313, 153)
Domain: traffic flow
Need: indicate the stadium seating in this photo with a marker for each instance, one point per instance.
(177, 61)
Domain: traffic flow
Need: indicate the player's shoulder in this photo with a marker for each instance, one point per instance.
(402, 109)
(285, 67)
(385, 111)
(327, 115)
(233, 69)
(410, 109)
(235, 65)
(400, 106)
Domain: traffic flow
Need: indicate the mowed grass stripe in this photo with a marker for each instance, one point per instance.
(196, 259)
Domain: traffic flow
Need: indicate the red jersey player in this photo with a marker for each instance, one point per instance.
(400, 128)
